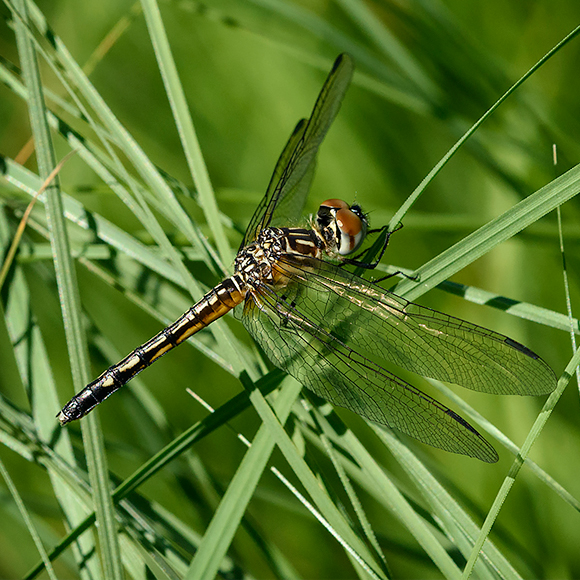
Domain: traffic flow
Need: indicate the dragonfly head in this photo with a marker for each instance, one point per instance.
(343, 227)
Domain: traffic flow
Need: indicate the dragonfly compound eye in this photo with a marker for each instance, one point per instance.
(342, 225)
(327, 211)
(334, 204)
(351, 230)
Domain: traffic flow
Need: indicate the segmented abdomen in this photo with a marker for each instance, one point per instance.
(212, 306)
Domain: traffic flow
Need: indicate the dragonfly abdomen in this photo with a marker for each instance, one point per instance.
(212, 306)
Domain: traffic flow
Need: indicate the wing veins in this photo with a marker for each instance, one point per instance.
(288, 187)
(440, 427)
(482, 360)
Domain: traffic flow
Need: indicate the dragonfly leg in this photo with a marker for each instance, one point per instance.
(413, 277)
(361, 263)
(371, 265)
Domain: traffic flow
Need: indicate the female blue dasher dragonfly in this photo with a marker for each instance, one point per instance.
(332, 330)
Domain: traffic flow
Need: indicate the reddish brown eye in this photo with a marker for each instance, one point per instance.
(349, 223)
(343, 226)
(335, 204)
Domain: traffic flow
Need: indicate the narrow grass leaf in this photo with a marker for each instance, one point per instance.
(519, 461)
(351, 493)
(376, 481)
(396, 219)
(493, 233)
(324, 503)
(225, 521)
(447, 510)
(68, 287)
(184, 124)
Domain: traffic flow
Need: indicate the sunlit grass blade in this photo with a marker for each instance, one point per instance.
(373, 478)
(125, 141)
(32, 360)
(174, 449)
(273, 432)
(520, 459)
(459, 526)
(348, 487)
(18, 235)
(225, 521)
(68, 288)
(113, 173)
(184, 124)
(105, 230)
(493, 233)
(420, 188)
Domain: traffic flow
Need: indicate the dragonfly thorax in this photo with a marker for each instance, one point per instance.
(343, 227)
(337, 230)
(255, 264)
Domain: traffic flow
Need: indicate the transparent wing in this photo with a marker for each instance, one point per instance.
(327, 366)
(289, 185)
(334, 331)
(413, 337)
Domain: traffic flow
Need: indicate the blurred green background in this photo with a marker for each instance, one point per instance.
(425, 72)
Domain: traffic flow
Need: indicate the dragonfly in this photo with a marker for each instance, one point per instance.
(332, 330)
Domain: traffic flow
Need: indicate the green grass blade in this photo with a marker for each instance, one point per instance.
(493, 233)
(519, 461)
(461, 529)
(322, 430)
(420, 188)
(63, 59)
(33, 364)
(485, 424)
(377, 482)
(184, 124)
(226, 519)
(68, 290)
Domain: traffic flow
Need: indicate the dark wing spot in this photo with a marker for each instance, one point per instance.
(521, 348)
(461, 420)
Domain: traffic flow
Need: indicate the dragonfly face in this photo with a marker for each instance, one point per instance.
(343, 227)
(337, 230)
(333, 331)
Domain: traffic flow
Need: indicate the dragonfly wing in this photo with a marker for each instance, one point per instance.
(277, 181)
(327, 366)
(286, 194)
(413, 337)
